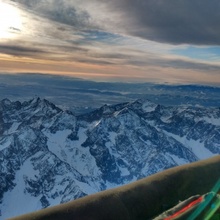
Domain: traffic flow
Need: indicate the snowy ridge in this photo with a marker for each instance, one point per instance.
(50, 156)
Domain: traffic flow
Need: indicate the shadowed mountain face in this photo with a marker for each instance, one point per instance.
(143, 199)
(50, 156)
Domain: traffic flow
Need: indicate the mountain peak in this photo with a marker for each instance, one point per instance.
(6, 102)
(144, 105)
(9, 105)
(38, 103)
(50, 156)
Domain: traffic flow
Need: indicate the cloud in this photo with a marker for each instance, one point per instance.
(21, 51)
(62, 11)
(186, 64)
(174, 21)
(117, 38)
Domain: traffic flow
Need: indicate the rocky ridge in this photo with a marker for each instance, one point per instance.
(50, 156)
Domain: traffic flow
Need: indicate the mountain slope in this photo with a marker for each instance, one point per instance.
(143, 199)
(50, 156)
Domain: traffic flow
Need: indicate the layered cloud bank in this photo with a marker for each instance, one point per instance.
(174, 41)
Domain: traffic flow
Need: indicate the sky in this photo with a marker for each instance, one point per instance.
(160, 41)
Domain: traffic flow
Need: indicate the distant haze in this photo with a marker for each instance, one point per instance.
(82, 96)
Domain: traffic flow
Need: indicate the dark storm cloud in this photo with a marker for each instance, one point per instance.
(170, 21)
(174, 21)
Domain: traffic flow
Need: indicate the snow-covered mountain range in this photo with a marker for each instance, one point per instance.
(49, 156)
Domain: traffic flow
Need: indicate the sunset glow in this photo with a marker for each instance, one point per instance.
(10, 21)
(115, 40)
